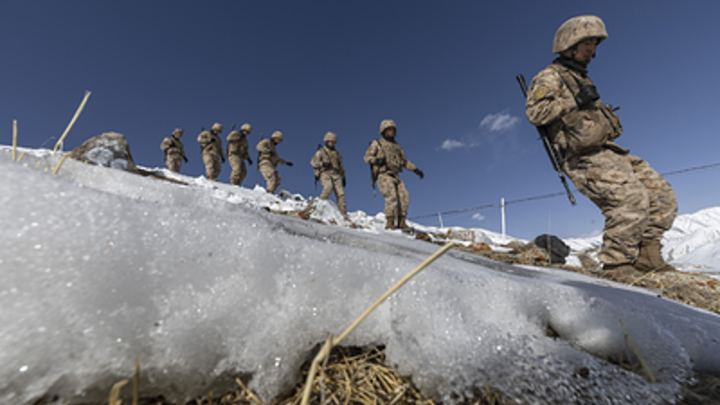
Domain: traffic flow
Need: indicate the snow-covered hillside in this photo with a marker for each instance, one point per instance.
(205, 285)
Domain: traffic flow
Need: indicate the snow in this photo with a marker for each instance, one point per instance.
(203, 285)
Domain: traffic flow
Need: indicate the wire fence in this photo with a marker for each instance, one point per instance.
(544, 196)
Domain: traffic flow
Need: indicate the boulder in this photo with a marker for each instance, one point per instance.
(109, 149)
(557, 248)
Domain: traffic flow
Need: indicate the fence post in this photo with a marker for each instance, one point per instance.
(502, 211)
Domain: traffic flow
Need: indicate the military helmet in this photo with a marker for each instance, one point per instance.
(578, 29)
(385, 124)
(217, 127)
(246, 127)
(178, 131)
(330, 137)
(277, 135)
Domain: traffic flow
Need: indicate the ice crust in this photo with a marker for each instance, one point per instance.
(100, 266)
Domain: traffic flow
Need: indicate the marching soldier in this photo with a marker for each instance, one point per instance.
(387, 159)
(174, 151)
(237, 153)
(328, 166)
(212, 150)
(638, 204)
(268, 160)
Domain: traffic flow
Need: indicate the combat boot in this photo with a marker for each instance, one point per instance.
(403, 225)
(650, 257)
(390, 223)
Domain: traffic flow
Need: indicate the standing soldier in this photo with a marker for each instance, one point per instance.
(387, 159)
(638, 204)
(268, 160)
(329, 168)
(174, 151)
(237, 153)
(212, 150)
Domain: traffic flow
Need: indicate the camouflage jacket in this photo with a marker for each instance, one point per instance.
(327, 155)
(551, 103)
(211, 143)
(268, 155)
(237, 145)
(172, 146)
(395, 160)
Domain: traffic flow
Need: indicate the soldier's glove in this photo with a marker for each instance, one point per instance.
(344, 182)
(222, 158)
(586, 96)
(325, 165)
(289, 163)
(380, 161)
(249, 161)
(185, 159)
(419, 173)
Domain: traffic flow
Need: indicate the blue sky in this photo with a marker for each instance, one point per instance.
(444, 71)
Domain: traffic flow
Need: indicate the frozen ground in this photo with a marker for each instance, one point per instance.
(99, 265)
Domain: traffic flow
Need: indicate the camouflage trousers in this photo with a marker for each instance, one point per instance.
(395, 194)
(239, 171)
(212, 165)
(174, 162)
(635, 200)
(332, 182)
(271, 175)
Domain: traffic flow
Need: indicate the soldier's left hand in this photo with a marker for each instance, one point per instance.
(586, 96)
(344, 182)
(419, 173)
(249, 161)
(289, 163)
(185, 159)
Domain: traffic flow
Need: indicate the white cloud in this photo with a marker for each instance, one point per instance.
(499, 122)
(478, 216)
(451, 144)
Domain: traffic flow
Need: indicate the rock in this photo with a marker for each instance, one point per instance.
(109, 149)
(558, 249)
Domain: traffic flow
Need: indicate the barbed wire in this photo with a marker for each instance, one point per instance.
(544, 196)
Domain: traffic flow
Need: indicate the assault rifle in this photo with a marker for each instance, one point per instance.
(552, 154)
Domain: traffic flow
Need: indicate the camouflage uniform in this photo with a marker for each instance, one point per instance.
(174, 152)
(638, 204)
(237, 153)
(268, 160)
(397, 198)
(212, 151)
(332, 177)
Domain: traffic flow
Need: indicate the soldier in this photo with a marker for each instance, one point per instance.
(387, 159)
(212, 150)
(174, 151)
(638, 204)
(237, 153)
(268, 161)
(329, 168)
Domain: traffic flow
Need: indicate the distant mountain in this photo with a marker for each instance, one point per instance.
(693, 243)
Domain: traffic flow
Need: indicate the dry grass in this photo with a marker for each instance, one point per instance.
(350, 376)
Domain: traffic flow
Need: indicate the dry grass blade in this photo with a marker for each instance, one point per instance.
(14, 146)
(136, 382)
(22, 155)
(57, 168)
(394, 288)
(72, 122)
(115, 393)
(249, 393)
(637, 353)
